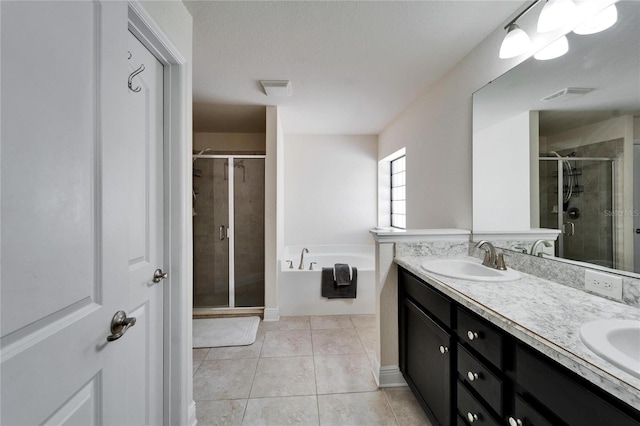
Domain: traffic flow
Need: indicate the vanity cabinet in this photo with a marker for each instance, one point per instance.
(466, 371)
(427, 349)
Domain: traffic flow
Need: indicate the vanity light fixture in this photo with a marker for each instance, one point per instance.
(556, 14)
(554, 50)
(598, 22)
(515, 43)
(277, 87)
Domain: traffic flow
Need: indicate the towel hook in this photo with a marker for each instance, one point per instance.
(133, 74)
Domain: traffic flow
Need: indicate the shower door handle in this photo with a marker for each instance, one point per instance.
(572, 229)
(222, 233)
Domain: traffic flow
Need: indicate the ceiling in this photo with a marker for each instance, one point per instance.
(354, 65)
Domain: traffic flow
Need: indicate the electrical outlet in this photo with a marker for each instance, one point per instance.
(605, 284)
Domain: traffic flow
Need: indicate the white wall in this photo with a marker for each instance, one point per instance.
(330, 189)
(498, 185)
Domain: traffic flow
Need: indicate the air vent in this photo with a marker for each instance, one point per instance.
(568, 93)
(277, 87)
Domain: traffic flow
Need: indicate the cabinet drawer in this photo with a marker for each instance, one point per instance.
(481, 336)
(470, 409)
(567, 395)
(477, 376)
(524, 414)
(429, 299)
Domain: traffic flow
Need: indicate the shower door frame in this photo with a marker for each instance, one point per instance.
(560, 200)
(230, 231)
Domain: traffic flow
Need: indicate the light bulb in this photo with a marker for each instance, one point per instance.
(599, 22)
(554, 50)
(515, 43)
(556, 14)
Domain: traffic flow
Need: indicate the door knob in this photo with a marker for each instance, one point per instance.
(119, 325)
(158, 275)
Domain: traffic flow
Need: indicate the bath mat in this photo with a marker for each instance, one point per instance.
(216, 332)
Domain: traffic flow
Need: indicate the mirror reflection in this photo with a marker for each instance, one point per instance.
(577, 118)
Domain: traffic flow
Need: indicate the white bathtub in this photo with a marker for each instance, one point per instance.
(299, 290)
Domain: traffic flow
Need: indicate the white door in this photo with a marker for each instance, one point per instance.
(145, 211)
(65, 222)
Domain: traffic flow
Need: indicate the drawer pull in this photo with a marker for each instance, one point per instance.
(443, 349)
(472, 376)
(472, 417)
(472, 335)
(514, 422)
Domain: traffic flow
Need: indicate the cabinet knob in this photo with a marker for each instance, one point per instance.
(472, 335)
(443, 349)
(515, 422)
(472, 376)
(472, 417)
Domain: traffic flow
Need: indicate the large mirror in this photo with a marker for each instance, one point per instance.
(555, 144)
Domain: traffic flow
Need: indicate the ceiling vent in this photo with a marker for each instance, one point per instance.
(568, 93)
(277, 87)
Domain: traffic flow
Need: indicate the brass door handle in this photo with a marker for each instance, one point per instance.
(119, 325)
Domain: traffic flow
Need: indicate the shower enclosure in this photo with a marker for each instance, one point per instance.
(577, 196)
(228, 231)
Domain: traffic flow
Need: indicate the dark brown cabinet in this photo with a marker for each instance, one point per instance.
(465, 370)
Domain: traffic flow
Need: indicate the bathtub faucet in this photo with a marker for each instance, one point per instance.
(304, 250)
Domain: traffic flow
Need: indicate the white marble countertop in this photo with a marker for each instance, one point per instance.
(546, 316)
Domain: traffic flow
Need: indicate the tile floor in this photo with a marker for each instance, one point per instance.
(300, 370)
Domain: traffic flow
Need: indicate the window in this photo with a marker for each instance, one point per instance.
(398, 193)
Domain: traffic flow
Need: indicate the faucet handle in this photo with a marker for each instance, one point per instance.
(311, 265)
(290, 263)
(500, 262)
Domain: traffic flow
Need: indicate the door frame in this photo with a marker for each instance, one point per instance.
(179, 406)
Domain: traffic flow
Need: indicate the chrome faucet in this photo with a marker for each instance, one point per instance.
(535, 245)
(489, 253)
(304, 250)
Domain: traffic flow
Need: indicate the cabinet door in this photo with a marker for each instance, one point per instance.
(427, 364)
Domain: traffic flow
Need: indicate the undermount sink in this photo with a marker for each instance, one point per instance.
(616, 341)
(468, 269)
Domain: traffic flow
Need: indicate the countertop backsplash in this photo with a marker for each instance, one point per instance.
(561, 272)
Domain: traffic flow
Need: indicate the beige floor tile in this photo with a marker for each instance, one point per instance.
(330, 322)
(200, 353)
(293, 410)
(336, 342)
(284, 376)
(220, 413)
(406, 408)
(287, 343)
(231, 352)
(196, 365)
(368, 408)
(343, 373)
(289, 323)
(363, 321)
(368, 337)
(224, 379)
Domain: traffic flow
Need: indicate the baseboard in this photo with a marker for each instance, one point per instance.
(191, 414)
(390, 376)
(271, 314)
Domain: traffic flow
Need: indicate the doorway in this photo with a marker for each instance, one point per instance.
(228, 231)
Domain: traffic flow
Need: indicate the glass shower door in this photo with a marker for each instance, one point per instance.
(248, 244)
(210, 242)
(577, 197)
